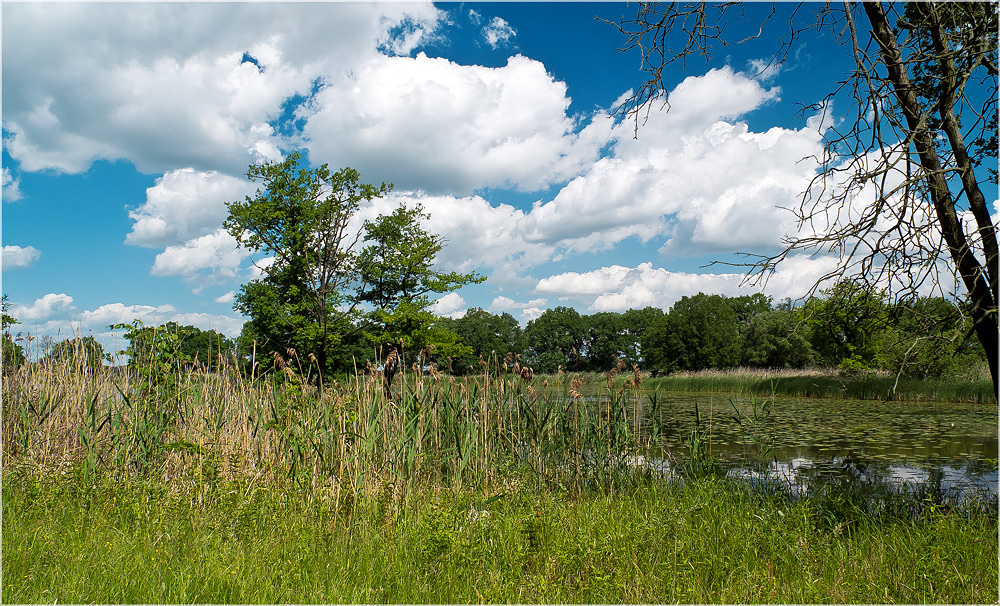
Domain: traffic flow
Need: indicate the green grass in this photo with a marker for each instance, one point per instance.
(71, 538)
(829, 384)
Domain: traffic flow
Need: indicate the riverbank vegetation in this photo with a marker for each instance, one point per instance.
(205, 485)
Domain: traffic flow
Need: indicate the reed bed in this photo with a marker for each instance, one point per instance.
(350, 435)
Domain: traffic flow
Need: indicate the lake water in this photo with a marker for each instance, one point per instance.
(797, 441)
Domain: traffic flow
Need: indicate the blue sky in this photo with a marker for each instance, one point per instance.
(127, 127)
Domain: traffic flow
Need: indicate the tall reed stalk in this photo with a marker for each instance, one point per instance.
(203, 426)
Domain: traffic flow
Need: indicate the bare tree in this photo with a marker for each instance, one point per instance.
(897, 196)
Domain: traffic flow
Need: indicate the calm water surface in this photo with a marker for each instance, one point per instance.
(951, 444)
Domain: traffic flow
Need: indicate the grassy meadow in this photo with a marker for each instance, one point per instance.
(162, 485)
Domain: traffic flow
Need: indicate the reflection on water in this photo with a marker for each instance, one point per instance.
(950, 449)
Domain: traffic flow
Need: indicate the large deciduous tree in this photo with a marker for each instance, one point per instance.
(397, 275)
(898, 195)
(699, 332)
(300, 219)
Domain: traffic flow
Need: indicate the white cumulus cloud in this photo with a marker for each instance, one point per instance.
(166, 85)
(618, 288)
(19, 257)
(43, 308)
(451, 305)
(217, 252)
(434, 125)
(11, 186)
(184, 204)
(697, 179)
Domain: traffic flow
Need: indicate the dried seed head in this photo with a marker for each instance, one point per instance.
(279, 362)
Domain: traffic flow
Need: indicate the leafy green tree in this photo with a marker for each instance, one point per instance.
(13, 354)
(82, 353)
(487, 335)
(636, 322)
(555, 339)
(844, 323)
(699, 332)
(747, 306)
(397, 275)
(776, 339)
(203, 346)
(300, 218)
(605, 341)
(928, 338)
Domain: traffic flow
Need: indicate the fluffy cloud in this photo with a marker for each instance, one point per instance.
(11, 186)
(528, 311)
(175, 75)
(227, 325)
(431, 124)
(119, 313)
(184, 204)
(498, 33)
(451, 305)
(618, 288)
(56, 316)
(217, 252)
(43, 308)
(17, 257)
(695, 177)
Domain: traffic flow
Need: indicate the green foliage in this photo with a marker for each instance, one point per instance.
(606, 341)
(13, 353)
(82, 353)
(929, 338)
(555, 339)
(775, 339)
(396, 275)
(300, 219)
(487, 335)
(154, 352)
(636, 324)
(844, 324)
(699, 332)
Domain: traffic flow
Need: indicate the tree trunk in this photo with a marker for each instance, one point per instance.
(972, 272)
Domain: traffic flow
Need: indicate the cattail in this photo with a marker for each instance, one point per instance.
(526, 373)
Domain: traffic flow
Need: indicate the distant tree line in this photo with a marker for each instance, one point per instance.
(846, 326)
